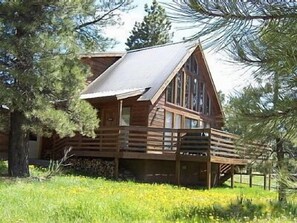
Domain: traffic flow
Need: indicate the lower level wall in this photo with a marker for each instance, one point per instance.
(164, 171)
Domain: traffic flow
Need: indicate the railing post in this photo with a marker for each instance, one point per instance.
(177, 161)
(232, 176)
(117, 155)
(208, 175)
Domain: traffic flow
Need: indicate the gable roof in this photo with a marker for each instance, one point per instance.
(141, 72)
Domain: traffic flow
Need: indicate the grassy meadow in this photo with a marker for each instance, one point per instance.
(69, 198)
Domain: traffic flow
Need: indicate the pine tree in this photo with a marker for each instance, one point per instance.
(153, 30)
(260, 35)
(41, 74)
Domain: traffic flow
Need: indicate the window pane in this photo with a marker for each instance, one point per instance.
(201, 97)
(194, 67)
(179, 83)
(125, 120)
(187, 123)
(177, 122)
(188, 92)
(195, 95)
(207, 105)
(169, 118)
(170, 92)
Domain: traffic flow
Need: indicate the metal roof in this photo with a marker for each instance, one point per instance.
(143, 70)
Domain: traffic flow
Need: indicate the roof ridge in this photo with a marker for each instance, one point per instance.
(157, 46)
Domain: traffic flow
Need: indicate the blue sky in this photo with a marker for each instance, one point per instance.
(227, 77)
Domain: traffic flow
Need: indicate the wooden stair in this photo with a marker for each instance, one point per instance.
(225, 173)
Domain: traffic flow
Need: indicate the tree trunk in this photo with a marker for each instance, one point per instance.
(18, 165)
(282, 196)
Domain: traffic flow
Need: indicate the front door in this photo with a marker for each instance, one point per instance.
(109, 117)
(109, 138)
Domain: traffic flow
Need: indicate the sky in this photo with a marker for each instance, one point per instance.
(227, 77)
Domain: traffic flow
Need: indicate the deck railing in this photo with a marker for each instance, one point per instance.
(196, 142)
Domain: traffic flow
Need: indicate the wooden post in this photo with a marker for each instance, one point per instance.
(232, 176)
(208, 163)
(208, 175)
(177, 161)
(265, 181)
(120, 111)
(269, 180)
(251, 176)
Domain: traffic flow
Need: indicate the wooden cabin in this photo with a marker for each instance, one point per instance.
(161, 117)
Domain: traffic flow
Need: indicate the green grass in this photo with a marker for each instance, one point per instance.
(83, 199)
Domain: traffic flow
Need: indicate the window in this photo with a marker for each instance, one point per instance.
(188, 92)
(179, 89)
(168, 135)
(192, 123)
(195, 95)
(177, 121)
(125, 118)
(194, 65)
(169, 119)
(201, 97)
(170, 92)
(208, 105)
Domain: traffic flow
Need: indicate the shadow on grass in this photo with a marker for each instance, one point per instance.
(241, 210)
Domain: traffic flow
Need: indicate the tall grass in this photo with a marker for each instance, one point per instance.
(82, 199)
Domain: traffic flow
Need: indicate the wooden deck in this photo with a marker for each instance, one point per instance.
(161, 144)
(210, 147)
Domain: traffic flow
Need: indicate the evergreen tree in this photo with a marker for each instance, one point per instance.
(153, 30)
(41, 74)
(261, 35)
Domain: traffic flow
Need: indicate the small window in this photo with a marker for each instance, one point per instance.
(201, 97)
(208, 105)
(179, 89)
(194, 65)
(188, 92)
(170, 92)
(169, 119)
(125, 120)
(195, 93)
(177, 121)
(192, 123)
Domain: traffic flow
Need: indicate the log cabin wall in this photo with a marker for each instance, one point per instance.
(98, 65)
(108, 111)
(156, 114)
(139, 111)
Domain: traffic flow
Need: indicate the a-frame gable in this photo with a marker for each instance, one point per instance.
(200, 57)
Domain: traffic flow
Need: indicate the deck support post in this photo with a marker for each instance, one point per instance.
(177, 161)
(117, 153)
(269, 180)
(208, 163)
(251, 176)
(208, 175)
(265, 181)
(232, 176)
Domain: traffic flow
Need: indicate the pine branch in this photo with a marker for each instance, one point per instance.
(98, 19)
